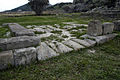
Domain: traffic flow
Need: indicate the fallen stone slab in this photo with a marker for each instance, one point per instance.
(45, 52)
(117, 25)
(63, 48)
(18, 30)
(19, 42)
(73, 44)
(94, 28)
(101, 39)
(107, 28)
(6, 59)
(24, 56)
(82, 42)
(53, 45)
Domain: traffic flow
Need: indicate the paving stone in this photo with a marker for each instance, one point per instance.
(44, 35)
(45, 52)
(107, 28)
(73, 44)
(24, 56)
(6, 59)
(94, 28)
(91, 42)
(117, 25)
(83, 42)
(19, 42)
(63, 48)
(18, 30)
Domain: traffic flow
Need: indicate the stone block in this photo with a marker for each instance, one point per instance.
(107, 28)
(19, 42)
(24, 56)
(117, 25)
(18, 30)
(6, 59)
(73, 44)
(94, 28)
(45, 52)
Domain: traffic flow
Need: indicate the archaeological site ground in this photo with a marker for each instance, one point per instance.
(60, 46)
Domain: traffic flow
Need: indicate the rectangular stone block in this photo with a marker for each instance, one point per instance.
(107, 28)
(94, 28)
(117, 25)
(6, 59)
(18, 30)
(19, 42)
(24, 56)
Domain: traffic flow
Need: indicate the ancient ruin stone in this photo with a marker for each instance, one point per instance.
(19, 42)
(18, 30)
(24, 56)
(6, 59)
(117, 25)
(94, 28)
(108, 28)
(45, 52)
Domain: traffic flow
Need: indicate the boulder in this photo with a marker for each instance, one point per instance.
(45, 52)
(6, 59)
(24, 56)
(94, 28)
(117, 25)
(107, 28)
(19, 42)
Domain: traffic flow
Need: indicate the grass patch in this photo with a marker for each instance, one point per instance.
(64, 36)
(57, 32)
(36, 32)
(77, 34)
(3, 31)
(51, 38)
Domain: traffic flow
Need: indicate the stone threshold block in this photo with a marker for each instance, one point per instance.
(94, 28)
(6, 59)
(101, 39)
(24, 56)
(107, 28)
(19, 42)
(18, 30)
(45, 52)
(74, 45)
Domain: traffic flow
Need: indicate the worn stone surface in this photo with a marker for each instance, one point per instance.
(83, 42)
(45, 52)
(63, 48)
(91, 42)
(107, 28)
(19, 42)
(94, 28)
(117, 25)
(6, 59)
(24, 56)
(18, 30)
(73, 44)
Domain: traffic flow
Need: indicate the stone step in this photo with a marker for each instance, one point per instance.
(82, 42)
(73, 44)
(19, 42)
(45, 52)
(18, 30)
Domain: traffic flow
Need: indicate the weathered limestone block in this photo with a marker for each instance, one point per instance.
(63, 48)
(108, 28)
(45, 52)
(6, 59)
(94, 28)
(83, 42)
(73, 44)
(19, 42)
(18, 30)
(117, 25)
(24, 56)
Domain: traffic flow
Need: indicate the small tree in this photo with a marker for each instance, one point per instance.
(38, 5)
